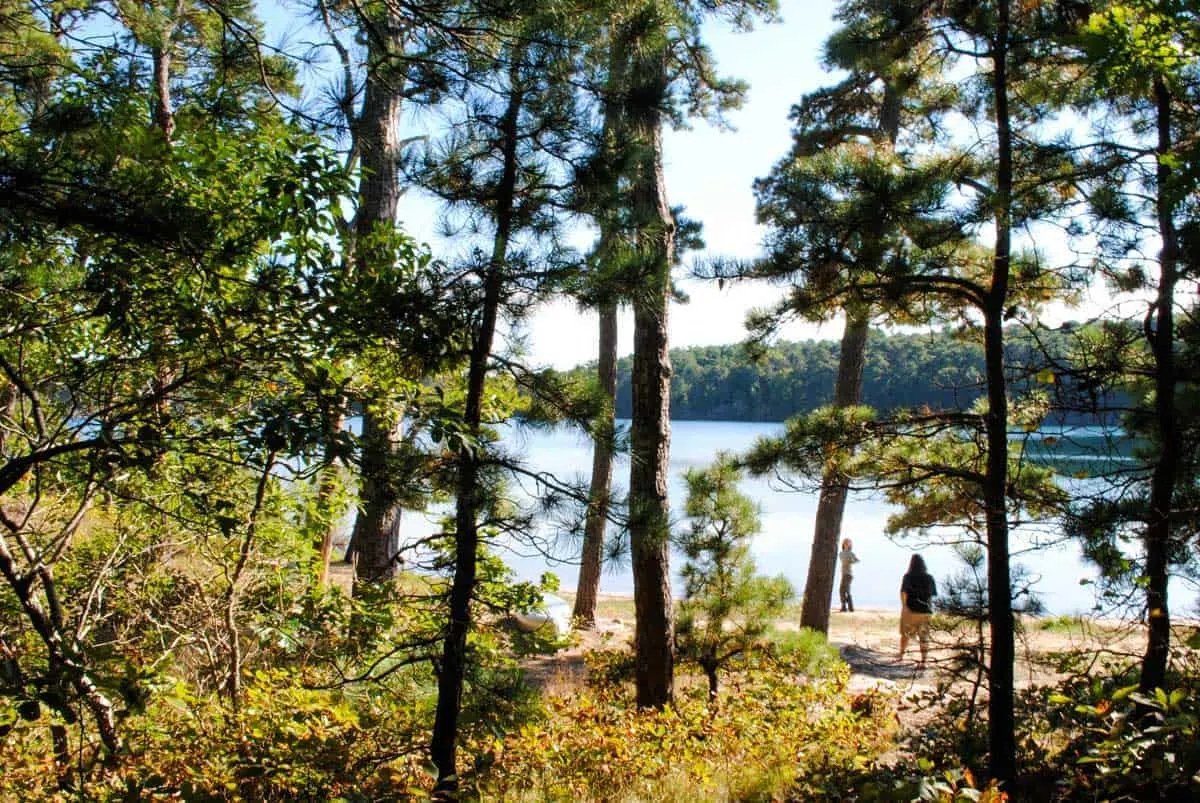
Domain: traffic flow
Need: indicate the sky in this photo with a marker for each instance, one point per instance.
(711, 172)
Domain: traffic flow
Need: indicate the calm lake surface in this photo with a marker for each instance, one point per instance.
(787, 525)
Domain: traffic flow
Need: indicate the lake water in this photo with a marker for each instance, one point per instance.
(787, 525)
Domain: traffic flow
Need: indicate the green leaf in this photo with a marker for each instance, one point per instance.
(1123, 692)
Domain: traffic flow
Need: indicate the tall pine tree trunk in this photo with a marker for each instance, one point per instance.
(1162, 482)
(613, 141)
(822, 564)
(650, 434)
(600, 492)
(469, 501)
(377, 137)
(1001, 735)
(831, 507)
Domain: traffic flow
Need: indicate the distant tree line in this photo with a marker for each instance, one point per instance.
(939, 370)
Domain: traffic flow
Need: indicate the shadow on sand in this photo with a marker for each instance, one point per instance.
(876, 664)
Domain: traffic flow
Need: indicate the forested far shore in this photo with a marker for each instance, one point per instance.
(939, 369)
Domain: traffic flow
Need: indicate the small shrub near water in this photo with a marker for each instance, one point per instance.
(772, 730)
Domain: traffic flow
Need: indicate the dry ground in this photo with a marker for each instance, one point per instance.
(869, 642)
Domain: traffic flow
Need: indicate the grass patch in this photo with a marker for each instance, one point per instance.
(1060, 624)
(607, 607)
(807, 650)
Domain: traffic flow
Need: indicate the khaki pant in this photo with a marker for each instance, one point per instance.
(844, 594)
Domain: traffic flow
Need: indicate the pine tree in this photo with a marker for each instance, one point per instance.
(727, 607)
(814, 197)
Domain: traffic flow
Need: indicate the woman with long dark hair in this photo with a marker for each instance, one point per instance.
(917, 591)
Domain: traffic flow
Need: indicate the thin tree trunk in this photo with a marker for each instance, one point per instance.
(451, 674)
(377, 137)
(650, 434)
(49, 628)
(831, 507)
(600, 492)
(710, 672)
(1001, 736)
(233, 676)
(613, 140)
(822, 564)
(326, 514)
(1162, 482)
(164, 117)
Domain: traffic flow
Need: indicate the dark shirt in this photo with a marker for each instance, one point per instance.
(921, 589)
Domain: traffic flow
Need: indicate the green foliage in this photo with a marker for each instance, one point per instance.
(806, 650)
(727, 608)
(1130, 43)
(1147, 748)
(593, 746)
(285, 743)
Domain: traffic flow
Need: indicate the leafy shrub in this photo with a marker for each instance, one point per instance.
(1138, 747)
(284, 743)
(770, 734)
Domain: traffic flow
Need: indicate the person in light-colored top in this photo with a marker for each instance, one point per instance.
(848, 559)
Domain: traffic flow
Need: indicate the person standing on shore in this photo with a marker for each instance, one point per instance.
(848, 559)
(917, 591)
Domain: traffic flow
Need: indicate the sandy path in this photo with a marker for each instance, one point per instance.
(869, 642)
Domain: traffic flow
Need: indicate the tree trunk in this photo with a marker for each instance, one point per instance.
(326, 509)
(1001, 737)
(377, 137)
(822, 564)
(444, 742)
(1162, 482)
(164, 117)
(650, 434)
(599, 495)
(60, 654)
(606, 203)
(375, 541)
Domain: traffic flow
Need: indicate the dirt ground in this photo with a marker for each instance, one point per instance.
(869, 642)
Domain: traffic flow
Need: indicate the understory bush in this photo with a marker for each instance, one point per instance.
(775, 732)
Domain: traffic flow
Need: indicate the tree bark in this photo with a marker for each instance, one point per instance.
(650, 434)
(375, 541)
(822, 564)
(1162, 482)
(1001, 736)
(613, 140)
(444, 742)
(600, 492)
(164, 117)
(377, 138)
